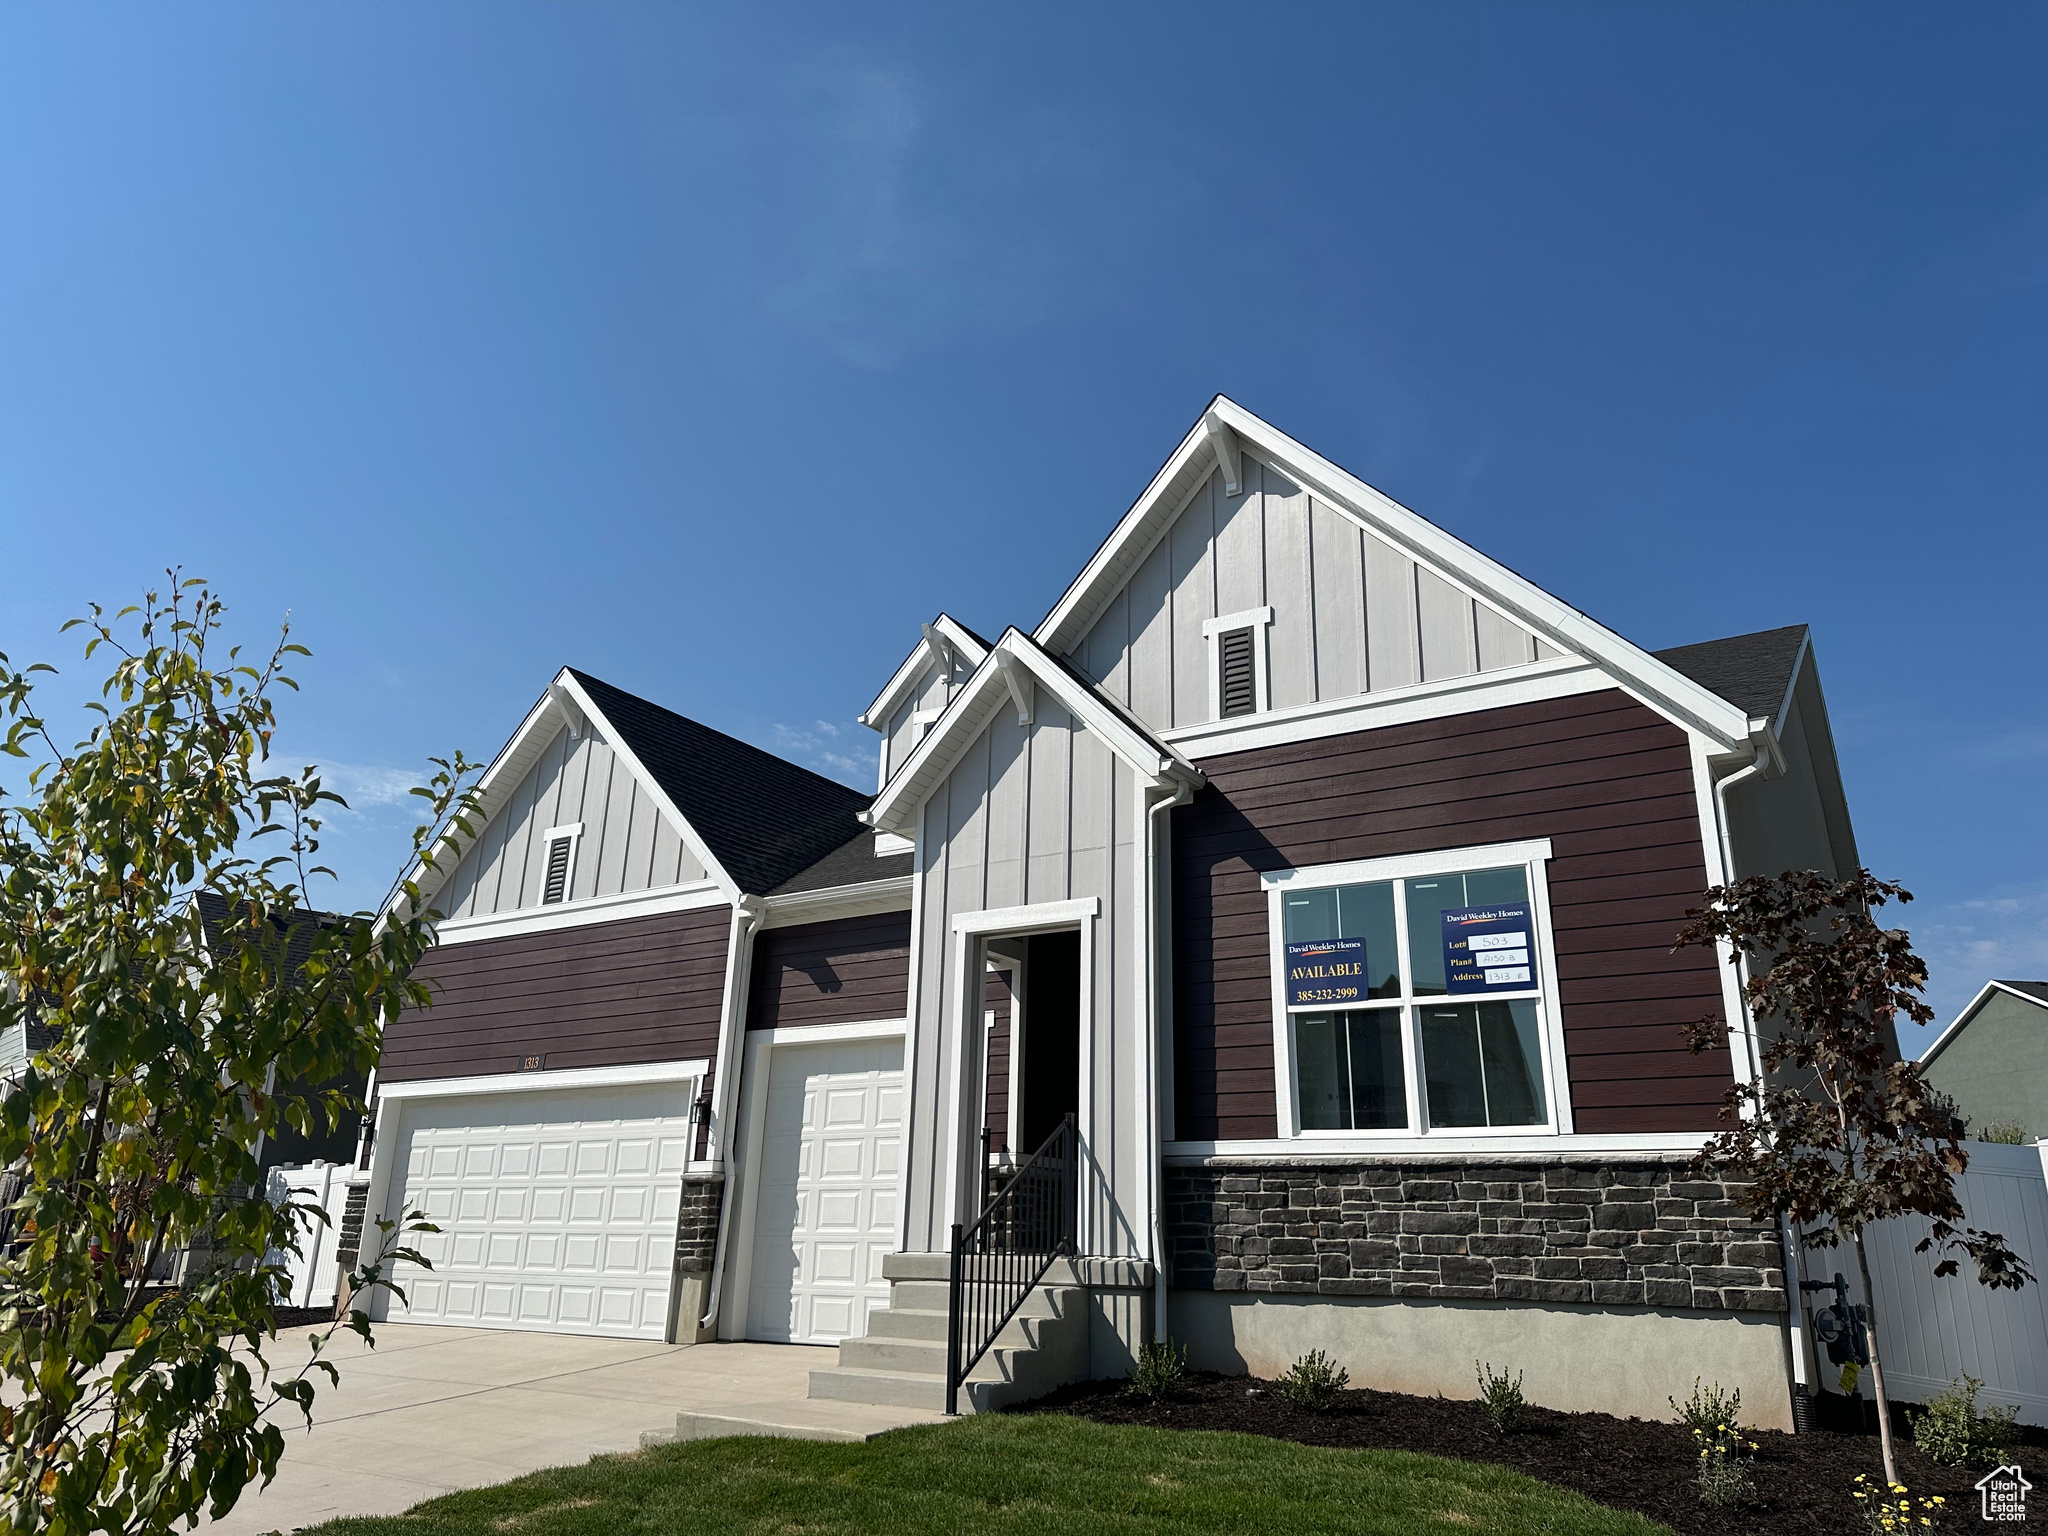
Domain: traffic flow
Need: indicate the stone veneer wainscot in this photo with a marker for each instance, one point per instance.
(1606, 1232)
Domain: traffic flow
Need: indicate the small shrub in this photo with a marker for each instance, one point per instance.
(1502, 1399)
(1892, 1510)
(1951, 1430)
(1162, 1371)
(1313, 1382)
(2008, 1132)
(1715, 1419)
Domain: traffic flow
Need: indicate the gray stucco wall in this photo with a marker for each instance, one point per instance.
(1996, 1066)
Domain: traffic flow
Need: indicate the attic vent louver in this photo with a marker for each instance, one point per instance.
(1238, 688)
(556, 885)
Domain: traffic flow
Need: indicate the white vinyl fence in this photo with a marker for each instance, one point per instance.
(315, 1272)
(1930, 1330)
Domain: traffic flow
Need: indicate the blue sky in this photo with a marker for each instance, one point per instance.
(712, 348)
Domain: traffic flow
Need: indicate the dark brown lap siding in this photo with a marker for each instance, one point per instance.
(610, 994)
(845, 971)
(1608, 781)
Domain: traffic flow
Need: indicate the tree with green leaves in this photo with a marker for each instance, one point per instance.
(1838, 1132)
(164, 1053)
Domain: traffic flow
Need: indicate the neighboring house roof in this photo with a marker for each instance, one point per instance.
(2032, 991)
(765, 819)
(298, 926)
(1753, 672)
(853, 862)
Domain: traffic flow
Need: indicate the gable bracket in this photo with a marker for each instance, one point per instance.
(1019, 682)
(1224, 441)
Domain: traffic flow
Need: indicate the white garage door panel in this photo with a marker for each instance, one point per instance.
(826, 1191)
(557, 1208)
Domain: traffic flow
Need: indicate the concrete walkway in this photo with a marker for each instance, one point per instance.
(435, 1409)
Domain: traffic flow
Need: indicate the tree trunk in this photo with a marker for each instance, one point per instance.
(1884, 1406)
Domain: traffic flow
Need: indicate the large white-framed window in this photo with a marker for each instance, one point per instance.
(1416, 995)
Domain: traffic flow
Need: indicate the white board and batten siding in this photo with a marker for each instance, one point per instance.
(1031, 815)
(627, 844)
(1931, 1330)
(1351, 614)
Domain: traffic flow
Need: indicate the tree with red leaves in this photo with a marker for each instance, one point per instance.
(1838, 1132)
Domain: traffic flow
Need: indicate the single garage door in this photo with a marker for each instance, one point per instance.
(557, 1208)
(825, 1211)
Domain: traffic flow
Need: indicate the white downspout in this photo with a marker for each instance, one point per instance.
(1794, 1268)
(747, 913)
(1183, 792)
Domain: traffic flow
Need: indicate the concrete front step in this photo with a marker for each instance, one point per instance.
(809, 1419)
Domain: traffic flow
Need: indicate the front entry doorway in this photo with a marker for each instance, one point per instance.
(1032, 1068)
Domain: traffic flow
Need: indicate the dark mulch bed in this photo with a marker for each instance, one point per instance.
(1802, 1481)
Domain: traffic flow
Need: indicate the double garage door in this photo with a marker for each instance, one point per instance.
(557, 1208)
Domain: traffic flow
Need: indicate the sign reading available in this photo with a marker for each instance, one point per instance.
(1325, 971)
(1487, 949)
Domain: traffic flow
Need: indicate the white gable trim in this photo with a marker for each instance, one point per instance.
(1970, 1011)
(1515, 597)
(564, 704)
(948, 629)
(998, 681)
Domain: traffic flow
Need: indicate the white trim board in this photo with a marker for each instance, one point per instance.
(619, 908)
(1307, 1154)
(863, 900)
(530, 1082)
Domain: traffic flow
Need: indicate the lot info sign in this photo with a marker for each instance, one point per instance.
(1489, 949)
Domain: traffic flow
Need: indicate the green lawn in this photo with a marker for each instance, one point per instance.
(994, 1475)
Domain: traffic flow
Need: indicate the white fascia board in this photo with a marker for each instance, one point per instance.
(1969, 1011)
(1515, 597)
(567, 683)
(894, 808)
(863, 900)
(876, 716)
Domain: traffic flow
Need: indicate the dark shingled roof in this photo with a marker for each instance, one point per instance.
(853, 862)
(1751, 672)
(764, 818)
(298, 928)
(2038, 990)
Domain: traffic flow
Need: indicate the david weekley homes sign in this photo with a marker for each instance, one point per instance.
(1330, 971)
(1487, 949)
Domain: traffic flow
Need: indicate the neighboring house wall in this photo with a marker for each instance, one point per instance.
(846, 971)
(1607, 780)
(1350, 614)
(1996, 1066)
(627, 845)
(1030, 814)
(604, 995)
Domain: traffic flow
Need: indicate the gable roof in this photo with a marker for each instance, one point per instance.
(1226, 428)
(970, 646)
(853, 862)
(2028, 991)
(1017, 663)
(297, 928)
(1754, 672)
(764, 818)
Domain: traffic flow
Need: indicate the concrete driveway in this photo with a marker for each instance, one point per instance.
(433, 1409)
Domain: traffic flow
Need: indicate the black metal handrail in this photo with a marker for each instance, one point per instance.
(1005, 1251)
